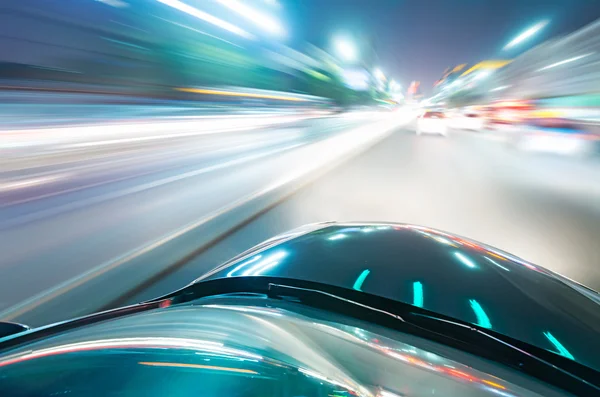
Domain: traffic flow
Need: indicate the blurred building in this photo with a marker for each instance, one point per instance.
(562, 72)
(156, 47)
(563, 67)
(464, 84)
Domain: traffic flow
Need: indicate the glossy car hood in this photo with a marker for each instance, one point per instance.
(250, 346)
(440, 272)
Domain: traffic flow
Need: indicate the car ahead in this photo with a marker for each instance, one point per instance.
(354, 309)
(550, 133)
(470, 121)
(432, 122)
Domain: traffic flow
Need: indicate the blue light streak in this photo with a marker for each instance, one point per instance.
(418, 294)
(561, 349)
(482, 319)
(361, 279)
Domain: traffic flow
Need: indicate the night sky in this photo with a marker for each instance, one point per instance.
(418, 39)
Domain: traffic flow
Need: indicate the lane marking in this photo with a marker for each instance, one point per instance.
(30, 182)
(139, 188)
(112, 165)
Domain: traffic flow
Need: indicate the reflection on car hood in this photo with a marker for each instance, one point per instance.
(440, 272)
(251, 346)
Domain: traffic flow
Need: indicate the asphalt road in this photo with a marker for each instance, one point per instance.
(67, 208)
(64, 212)
(543, 208)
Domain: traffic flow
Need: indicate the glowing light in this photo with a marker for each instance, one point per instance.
(114, 3)
(466, 261)
(240, 94)
(494, 384)
(205, 17)
(482, 318)
(338, 236)
(197, 366)
(526, 34)
(345, 49)
(245, 310)
(379, 75)
(565, 61)
(482, 75)
(361, 279)
(316, 375)
(496, 263)
(499, 392)
(126, 343)
(261, 20)
(561, 349)
(445, 241)
(418, 294)
(356, 79)
(268, 262)
(394, 86)
(238, 267)
(501, 88)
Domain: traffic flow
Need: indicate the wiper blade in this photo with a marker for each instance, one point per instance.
(495, 347)
(539, 363)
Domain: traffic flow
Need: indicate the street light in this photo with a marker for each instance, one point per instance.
(345, 49)
(526, 34)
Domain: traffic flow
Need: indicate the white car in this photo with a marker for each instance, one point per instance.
(469, 121)
(432, 122)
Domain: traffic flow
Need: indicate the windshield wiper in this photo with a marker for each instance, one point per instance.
(542, 364)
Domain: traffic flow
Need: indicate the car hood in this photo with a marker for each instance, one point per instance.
(440, 272)
(251, 346)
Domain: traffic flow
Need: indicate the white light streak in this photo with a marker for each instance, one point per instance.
(205, 17)
(526, 34)
(265, 22)
(565, 61)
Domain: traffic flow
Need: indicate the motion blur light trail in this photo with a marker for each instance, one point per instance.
(133, 126)
(181, 6)
(241, 94)
(148, 212)
(542, 208)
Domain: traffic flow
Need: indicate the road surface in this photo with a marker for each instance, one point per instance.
(80, 199)
(545, 209)
(76, 210)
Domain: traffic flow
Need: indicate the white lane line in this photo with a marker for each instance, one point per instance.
(154, 130)
(125, 177)
(30, 182)
(156, 137)
(139, 188)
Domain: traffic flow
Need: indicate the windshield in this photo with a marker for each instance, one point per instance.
(145, 142)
